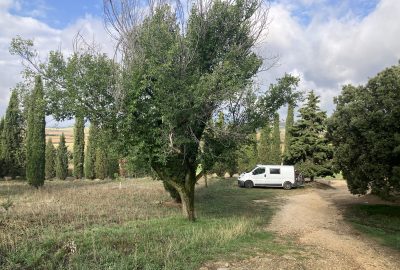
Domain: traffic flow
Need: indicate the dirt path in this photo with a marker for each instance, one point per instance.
(315, 222)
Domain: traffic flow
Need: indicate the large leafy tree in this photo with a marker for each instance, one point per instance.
(36, 138)
(79, 147)
(12, 138)
(176, 79)
(62, 159)
(365, 130)
(80, 85)
(309, 148)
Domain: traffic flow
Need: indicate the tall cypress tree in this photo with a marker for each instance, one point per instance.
(12, 139)
(2, 167)
(79, 147)
(1, 137)
(309, 149)
(50, 169)
(62, 159)
(276, 142)
(264, 145)
(90, 155)
(36, 138)
(101, 163)
(288, 126)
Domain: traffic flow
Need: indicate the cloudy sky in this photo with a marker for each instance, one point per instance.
(327, 43)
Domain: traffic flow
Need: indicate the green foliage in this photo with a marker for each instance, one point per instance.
(365, 130)
(1, 136)
(12, 139)
(2, 165)
(219, 150)
(50, 166)
(62, 159)
(79, 147)
(90, 155)
(248, 155)
(309, 149)
(77, 85)
(264, 145)
(288, 127)
(276, 142)
(36, 138)
(162, 84)
(100, 164)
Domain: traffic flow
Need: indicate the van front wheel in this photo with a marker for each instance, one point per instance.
(287, 185)
(248, 184)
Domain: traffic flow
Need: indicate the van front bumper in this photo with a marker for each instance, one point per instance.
(240, 183)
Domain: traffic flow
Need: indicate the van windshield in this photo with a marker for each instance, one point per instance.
(258, 170)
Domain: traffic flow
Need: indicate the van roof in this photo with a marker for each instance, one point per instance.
(267, 165)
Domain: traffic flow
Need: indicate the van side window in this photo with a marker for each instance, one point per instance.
(274, 171)
(259, 171)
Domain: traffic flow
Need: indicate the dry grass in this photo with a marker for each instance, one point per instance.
(127, 225)
(76, 205)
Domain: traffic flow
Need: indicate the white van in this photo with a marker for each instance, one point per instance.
(271, 176)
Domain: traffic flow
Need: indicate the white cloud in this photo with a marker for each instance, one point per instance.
(45, 37)
(331, 51)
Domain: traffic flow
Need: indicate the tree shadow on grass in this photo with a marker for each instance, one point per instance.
(224, 199)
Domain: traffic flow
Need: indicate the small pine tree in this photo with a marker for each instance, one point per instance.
(276, 142)
(79, 147)
(264, 145)
(101, 164)
(36, 138)
(288, 127)
(12, 138)
(62, 159)
(50, 171)
(90, 155)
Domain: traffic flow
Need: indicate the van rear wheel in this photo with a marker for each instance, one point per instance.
(287, 185)
(248, 184)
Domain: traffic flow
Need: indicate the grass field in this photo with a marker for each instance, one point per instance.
(131, 225)
(381, 222)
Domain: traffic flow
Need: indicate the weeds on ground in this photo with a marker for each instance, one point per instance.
(381, 222)
(92, 225)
